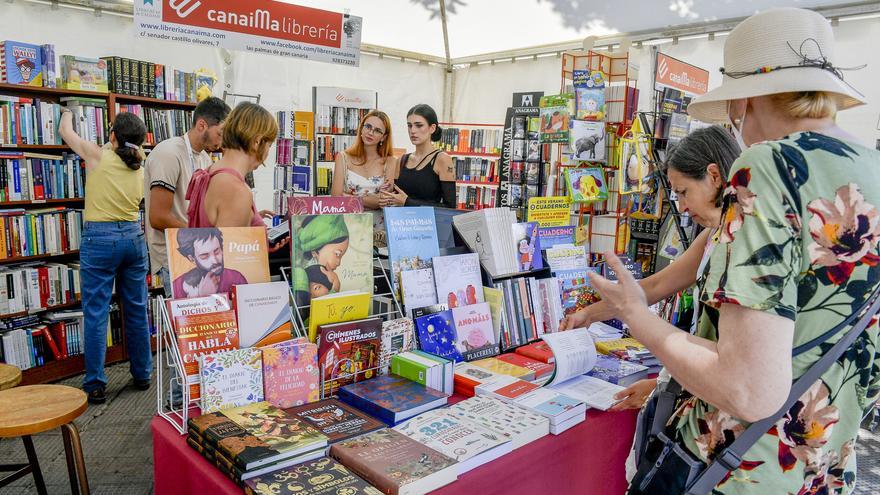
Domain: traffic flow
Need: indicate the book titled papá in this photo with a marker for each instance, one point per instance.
(396, 464)
(324, 205)
(212, 260)
(201, 334)
(335, 419)
(349, 352)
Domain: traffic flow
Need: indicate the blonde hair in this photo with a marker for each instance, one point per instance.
(385, 149)
(806, 104)
(250, 126)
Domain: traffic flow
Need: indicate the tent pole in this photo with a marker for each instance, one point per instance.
(449, 76)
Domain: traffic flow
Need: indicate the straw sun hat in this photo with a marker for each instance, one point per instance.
(777, 51)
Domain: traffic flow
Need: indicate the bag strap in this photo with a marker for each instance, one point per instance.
(730, 458)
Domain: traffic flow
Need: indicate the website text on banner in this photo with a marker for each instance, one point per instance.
(675, 74)
(256, 26)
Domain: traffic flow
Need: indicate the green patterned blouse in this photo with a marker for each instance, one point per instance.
(799, 238)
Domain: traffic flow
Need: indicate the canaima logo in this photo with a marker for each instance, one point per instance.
(184, 7)
(662, 68)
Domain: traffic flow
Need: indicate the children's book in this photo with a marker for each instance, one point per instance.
(83, 73)
(412, 240)
(419, 289)
(586, 185)
(336, 308)
(348, 352)
(527, 246)
(436, 335)
(575, 289)
(458, 279)
(553, 236)
(208, 261)
(230, 379)
(22, 63)
(475, 334)
(331, 253)
(291, 373)
(587, 142)
(556, 112)
(589, 90)
(263, 312)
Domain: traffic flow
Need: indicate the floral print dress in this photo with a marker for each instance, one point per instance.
(799, 239)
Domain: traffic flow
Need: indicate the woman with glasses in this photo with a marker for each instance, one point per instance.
(363, 169)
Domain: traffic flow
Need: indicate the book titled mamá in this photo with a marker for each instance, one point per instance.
(263, 312)
(324, 205)
(331, 253)
(230, 379)
(395, 463)
(412, 240)
(201, 334)
(322, 476)
(212, 260)
(349, 352)
(290, 373)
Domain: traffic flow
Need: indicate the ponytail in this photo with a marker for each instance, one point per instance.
(130, 133)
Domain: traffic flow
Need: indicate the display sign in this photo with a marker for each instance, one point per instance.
(345, 97)
(552, 211)
(675, 74)
(255, 26)
(529, 99)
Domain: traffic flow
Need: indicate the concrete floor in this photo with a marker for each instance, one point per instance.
(119, 448)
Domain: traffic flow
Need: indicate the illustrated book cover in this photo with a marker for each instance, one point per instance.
(587, 141)
(22, 63)
(391, 398)
(336, 419)
(515, 423)
(589, 90)
(398, 336)
(556, 113)
(412, 240)
(230, 379)
(458, 279)
(322, 476)
(436, 335)
(348, 352)
(474, 331)
(586, 185)
(290, 373)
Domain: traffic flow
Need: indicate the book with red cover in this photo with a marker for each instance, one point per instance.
(540, 368)
(348, 352)
(201, 334)
(395, 463)
(50, 341)
(322, 205)
(59, 331)
(538, 351)
(335, 419)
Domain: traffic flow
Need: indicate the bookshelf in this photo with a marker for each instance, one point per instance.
(67, 367)
(476, 153)
(294, 152)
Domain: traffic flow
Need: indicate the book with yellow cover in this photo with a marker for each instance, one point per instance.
(619, 345)
(336, 308)
(504, 368)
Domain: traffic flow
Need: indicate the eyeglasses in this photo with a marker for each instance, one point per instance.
(373, 130)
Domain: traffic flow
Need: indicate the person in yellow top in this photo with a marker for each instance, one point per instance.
(113, 249)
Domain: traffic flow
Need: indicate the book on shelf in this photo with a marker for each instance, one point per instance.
(336, 419)
(37, 177)
(475, 196)
(296, 125)
(331, 119)
(204, 333)
(328, 146)
(458, 279)
(475, 169)
(150, 80)
(21, 63)
(482, 140)
(236, 255)
(263, 313)
(412, 240)
(230, 379)
(391, 398)
(331, 253)
(398, 335)
(161, 124)
(470, 444)
(321, 476)
(525, 310)
(83, 73)
(521, 427)
(621, 103)
(291, 376)
(323, 180)
(348, 352)
(46, 231)
(91, 119)
(395, 463)
(33, 286)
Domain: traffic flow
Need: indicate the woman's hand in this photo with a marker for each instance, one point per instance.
(634, 396)
(576, 320)
(267, 213)
(371, 201)
(279, 245)
(395, 197)
(624, 298)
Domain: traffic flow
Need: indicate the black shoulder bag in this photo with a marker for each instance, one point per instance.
(665, 467)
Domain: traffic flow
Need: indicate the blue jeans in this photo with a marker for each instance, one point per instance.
(114, 252)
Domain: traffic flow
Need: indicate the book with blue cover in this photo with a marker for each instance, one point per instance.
(436, 335)
(391, 398)
(22, 63)
(553, 236)
(575, 289)
(412, 240)
(618, 371)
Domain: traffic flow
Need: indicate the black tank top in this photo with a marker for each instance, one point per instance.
(421, 184)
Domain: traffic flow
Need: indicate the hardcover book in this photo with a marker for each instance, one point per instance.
(331, 253)
(336, 308)
(263, 312)
(474, 332)
(272, 435)
(436, 335)
(200, 334)
(22, 63)
(412, 240)
(397, 336)
(470, 444)
(391, 398)
(395, 463)
(556, 111)
(212, 260)
(617, 371)
(322, 476)
(515, 423)
(335, 419)
(539, 368)
(348, 352)
(419, 289)
(230, 379)
(586, 185)
(589, 90)
(458, 279)
(587, 141)
(324, 205)
(290, 373)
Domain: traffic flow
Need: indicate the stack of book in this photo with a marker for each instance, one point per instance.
(39, 232)
(618, 371)
(622, 102)
(483, 141)
(562, 411)
(34, 286)
(474, 169)
(504, 245)
(425, 369)
(146, 79)
(254, 440)
(161, 123)
(515, 423)
(323, 472)
(34, 177)
(630, 350)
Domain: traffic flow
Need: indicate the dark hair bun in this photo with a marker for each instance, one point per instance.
(437, 134)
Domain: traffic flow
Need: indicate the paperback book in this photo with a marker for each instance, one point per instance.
(230, 379)
(556, 112)
(589, 90)
(419, 289)
(468, 376)
(521, 427)
(198, 305)
(322, 476)
(291, 373)
(200, 334)
(527, 245)
(412, 240)
(208, 261)
(348, 352)
(551, 237)
(458, 279)
(575, 289)
(587, 141)
(336, 308)
(263, 312)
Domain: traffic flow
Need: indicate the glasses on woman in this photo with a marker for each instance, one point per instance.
(373, 130)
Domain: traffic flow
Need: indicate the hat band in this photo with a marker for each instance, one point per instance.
(820, 62)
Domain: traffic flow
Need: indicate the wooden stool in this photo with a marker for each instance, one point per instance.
(32, 409)
(10, 376)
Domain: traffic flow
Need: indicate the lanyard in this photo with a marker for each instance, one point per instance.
(189, 153)
(707, 253)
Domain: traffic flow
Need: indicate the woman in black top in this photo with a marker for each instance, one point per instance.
(425, 177)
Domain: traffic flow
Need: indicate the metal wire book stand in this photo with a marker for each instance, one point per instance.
(385, 305)
(168, 357)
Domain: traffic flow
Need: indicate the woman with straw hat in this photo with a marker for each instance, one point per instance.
(797, 254)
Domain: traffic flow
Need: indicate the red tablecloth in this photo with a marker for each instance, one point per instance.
(585, 460)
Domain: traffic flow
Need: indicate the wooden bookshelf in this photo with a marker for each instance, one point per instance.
(74, 365)
(21, 259)
(13, 146)
(57, 307)
(40, 202)
(58, 92)
(464, 153)
(115, 98)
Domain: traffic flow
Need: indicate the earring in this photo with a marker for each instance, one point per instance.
(737, 121)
